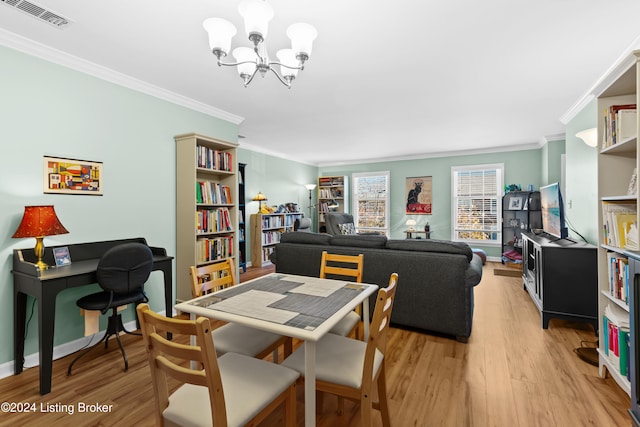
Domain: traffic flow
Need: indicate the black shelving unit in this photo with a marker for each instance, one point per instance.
(242, 229)
(520, 214)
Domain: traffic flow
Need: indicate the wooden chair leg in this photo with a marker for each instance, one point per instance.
(290, 407)
(382, 397)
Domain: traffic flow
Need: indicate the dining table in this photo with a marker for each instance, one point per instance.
(301, 307)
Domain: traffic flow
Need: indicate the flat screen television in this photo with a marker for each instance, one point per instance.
(552, 211)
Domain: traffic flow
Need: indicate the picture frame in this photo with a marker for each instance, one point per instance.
(72, 176)
(515, 203)
(62, 256)
(419, 195)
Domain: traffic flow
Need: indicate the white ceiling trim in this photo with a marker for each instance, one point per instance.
(30, 47)
(490, 150)
(622, 64)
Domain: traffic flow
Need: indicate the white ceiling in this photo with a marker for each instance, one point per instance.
(393, 79)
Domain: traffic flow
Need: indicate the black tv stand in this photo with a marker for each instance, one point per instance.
(561, 276)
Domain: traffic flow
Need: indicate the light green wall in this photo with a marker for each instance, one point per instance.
(521, 167)
(581, 198)
(51, 110)
(47, 109)
(281, 180)
(551, 161)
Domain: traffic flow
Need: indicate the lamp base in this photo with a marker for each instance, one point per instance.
(39, 251)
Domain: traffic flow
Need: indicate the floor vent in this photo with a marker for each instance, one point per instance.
(39, 12)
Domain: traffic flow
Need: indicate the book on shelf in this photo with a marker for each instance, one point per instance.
(209, 158)
(618, 276)
(618, 219)
(213, 193)
(616, 324)
(620, 124)
(213, 220)
(214, 249)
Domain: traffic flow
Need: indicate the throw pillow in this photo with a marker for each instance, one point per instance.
(347, 228)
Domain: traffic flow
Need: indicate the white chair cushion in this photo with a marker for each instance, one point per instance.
(346, 324)
(234, 338)
(249, 386)
(339, 360)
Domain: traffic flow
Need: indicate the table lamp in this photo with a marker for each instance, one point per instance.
(259, 198)
(38, 222)
(411, 223)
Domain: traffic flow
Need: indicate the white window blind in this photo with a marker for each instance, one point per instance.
(371, 202)
(476, 213)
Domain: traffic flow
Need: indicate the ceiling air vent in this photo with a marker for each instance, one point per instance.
(39, 12)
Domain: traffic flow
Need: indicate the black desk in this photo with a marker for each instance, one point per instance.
(45, 285)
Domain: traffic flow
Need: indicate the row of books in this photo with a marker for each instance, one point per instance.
(616, 339)
(272, 221)
(290, 219)
(328, 181)
(214, 249)
(331, 193)
(266, 252)
(271, 237)
(213, 220)
(618, 269)
(209, 158)
(620, 123)
(213, 193)
(618, 219)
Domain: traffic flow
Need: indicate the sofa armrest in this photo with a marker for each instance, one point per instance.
(473, 274)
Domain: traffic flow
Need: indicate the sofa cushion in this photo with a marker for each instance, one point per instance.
(308, 238)
(429, 245)
(347, 228)
(361, 241)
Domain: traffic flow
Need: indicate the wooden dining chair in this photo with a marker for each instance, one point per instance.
(230, 390)
(231, 337)
(349, 368)
(344, 266)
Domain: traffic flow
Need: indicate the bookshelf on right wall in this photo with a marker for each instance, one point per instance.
(617, 217)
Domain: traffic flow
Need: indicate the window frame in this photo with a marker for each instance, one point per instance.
(499, 169)
(387, 200)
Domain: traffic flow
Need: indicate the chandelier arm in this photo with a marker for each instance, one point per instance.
(251, 78)
(283, 81)
(233, 64)
(285, 65)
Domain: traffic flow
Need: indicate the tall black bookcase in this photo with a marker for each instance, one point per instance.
(520, 214)
(242, 229)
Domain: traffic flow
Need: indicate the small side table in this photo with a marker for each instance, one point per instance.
(410, 233)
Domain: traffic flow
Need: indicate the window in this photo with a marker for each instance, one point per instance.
(371, 202)
(476, 213)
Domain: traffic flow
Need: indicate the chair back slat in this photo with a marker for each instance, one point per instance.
(342, 265)
(212, 277)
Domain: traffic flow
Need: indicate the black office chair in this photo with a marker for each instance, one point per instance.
(122, 272)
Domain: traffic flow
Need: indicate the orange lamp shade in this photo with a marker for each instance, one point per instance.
(39, 221)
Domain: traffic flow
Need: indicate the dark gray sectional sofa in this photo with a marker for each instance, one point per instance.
(436, 277)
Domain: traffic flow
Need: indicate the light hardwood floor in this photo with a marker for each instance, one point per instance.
(511, 373)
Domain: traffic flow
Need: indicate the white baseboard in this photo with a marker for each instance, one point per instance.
(62, 350)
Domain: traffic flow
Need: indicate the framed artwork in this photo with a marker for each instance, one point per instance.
(515, 203)
(419, 196)
(62, 256)
(71, 176)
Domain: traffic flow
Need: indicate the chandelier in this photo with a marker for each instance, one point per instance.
(250, 61)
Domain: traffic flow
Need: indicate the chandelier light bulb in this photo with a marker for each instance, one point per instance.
(302, 36)
(289, 64)
(256, 14)
(246, 59)
(220, 32)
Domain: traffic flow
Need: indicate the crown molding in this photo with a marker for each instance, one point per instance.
(47, 53)
(620, 65)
